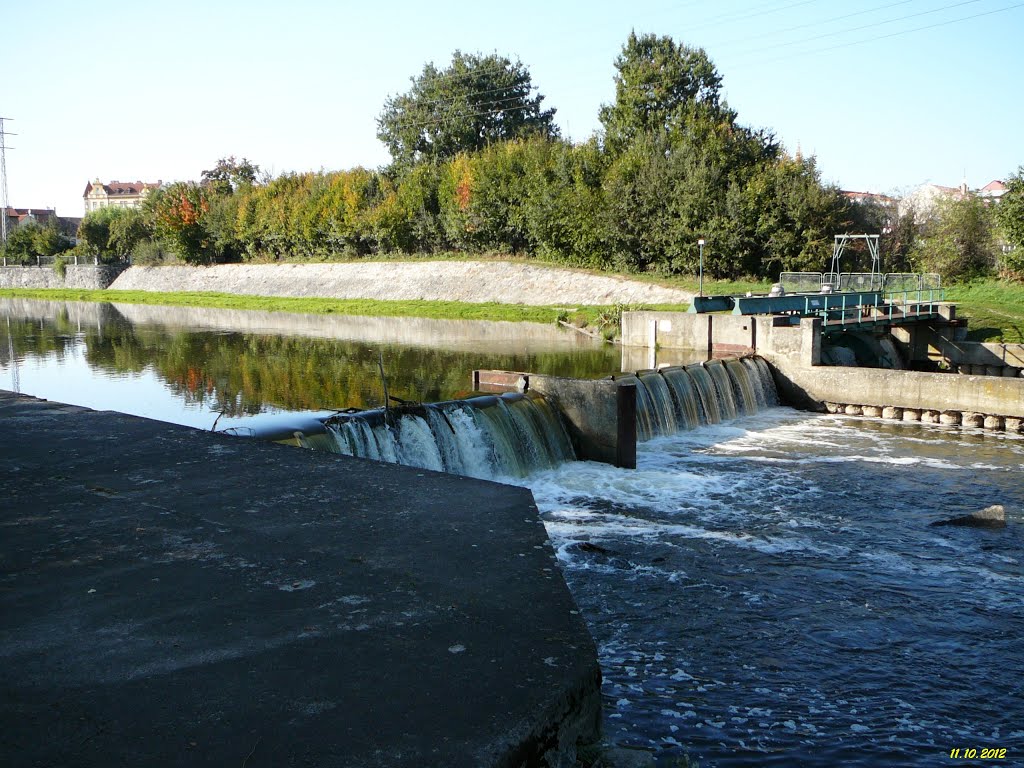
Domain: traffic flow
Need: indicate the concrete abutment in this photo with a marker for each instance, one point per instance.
(795, 353)
(199, 598)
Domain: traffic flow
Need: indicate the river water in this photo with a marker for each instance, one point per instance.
(765, 591)
(770, 591)
(197, 366)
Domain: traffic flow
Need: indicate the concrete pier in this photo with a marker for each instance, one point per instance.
(601, 421)
(172, 597)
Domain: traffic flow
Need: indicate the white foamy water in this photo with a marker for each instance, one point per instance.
(769, 591)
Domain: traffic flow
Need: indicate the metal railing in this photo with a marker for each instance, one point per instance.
(812, 282)
(49, 261)
(837, 310)
(860, 281)
(909, 281)
(801, 282)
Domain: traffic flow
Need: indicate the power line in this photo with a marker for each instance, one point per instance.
(507, 66)
(867, 26)
(458, 116)
(730, 18)
(827, 21)
(897, 34)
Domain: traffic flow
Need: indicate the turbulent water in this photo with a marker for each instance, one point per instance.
(486, 437)
(768, 591)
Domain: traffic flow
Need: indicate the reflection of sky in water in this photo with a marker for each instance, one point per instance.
(186, 365)
(70, 379)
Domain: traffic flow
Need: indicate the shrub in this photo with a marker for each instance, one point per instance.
(153, 253)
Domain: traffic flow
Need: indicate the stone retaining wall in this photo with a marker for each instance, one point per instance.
(81, 276)
(475, 335)
(468, 281)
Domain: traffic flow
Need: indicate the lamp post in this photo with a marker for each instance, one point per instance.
(700, 288)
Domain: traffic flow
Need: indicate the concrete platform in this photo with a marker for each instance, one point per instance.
(171, 597)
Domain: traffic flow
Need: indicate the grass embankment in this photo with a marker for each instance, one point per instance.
(994, 309)
(596, 317)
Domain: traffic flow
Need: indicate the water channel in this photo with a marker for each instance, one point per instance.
(766, 590)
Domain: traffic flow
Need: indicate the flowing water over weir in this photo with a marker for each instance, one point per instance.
(761, 588)
(507, 436)
(679, 398)
(770, 592)
(515, 434)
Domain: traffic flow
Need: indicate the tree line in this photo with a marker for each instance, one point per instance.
(478, 166)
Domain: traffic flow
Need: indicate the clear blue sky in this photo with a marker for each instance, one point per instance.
(144, 90)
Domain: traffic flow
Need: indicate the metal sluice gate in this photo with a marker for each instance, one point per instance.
(890, 299)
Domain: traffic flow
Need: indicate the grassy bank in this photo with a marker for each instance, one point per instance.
(994, 309)
(597, 317)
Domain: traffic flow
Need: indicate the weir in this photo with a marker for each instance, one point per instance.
(531, 422)
(678, 398)
(667, 400)
(485, 437)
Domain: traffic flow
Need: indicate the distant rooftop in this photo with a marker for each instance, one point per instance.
(115, 188)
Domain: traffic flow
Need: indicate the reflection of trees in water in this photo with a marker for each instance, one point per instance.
(240, 373)
(38, 338)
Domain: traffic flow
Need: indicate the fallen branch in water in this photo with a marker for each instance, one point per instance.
(585, 332)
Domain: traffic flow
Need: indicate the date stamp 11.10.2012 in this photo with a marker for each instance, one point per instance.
(984, 753)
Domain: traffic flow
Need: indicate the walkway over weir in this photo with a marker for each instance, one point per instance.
(837, 311)
(172, 597)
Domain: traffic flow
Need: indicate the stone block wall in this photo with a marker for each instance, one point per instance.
(79, 276)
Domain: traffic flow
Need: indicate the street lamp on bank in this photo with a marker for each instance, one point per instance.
(700, 287)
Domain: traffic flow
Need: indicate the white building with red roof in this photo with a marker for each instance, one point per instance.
(926, 197)
(122, 194)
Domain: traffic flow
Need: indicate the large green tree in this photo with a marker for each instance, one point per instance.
(959, 239)
(229, 174)
(660, 86)
(477, 100)
(30, 240)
